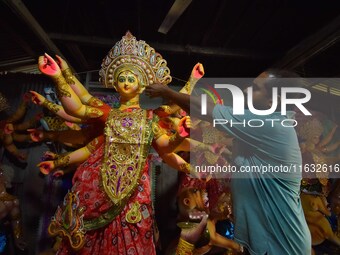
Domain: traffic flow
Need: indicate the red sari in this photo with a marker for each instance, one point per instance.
(116, 236)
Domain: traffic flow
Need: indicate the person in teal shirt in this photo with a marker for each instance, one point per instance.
(267, 209)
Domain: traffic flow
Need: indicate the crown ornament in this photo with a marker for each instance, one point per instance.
(137, 57)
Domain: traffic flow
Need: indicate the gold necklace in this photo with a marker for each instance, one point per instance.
(129, 103)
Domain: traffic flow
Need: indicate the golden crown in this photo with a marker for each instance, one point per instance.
(136, 56)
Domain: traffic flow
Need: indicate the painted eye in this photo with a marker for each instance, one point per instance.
(131, 79)
(121, 79)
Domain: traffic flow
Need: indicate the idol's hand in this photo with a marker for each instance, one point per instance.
(48, 66)
(37, 98)
(197, 71)
(9, 128)
(61, 63)
(46, 167)
(184, 126)
(36, 135)
(49, 155)
(187, 122)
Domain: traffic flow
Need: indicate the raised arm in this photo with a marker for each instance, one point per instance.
(69, 99)
(85, 97)
(196, 74)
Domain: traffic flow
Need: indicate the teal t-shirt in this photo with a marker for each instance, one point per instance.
(267, 210)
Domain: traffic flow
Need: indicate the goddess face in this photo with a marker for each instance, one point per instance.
(127, 84)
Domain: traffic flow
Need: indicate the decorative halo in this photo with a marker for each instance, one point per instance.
(137, 57)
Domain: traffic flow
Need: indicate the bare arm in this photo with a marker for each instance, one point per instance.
(85, 97)
(54, 108)
(190, 104)
(69, 99)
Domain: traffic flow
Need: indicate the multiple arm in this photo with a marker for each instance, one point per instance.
(67, 96)
(74, 137)
(84, 96)
(54, 108)
(21, 110)
(72, 158)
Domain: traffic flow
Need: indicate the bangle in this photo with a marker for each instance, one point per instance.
(95, 102)
(184, 247)
(175, 139)
(50, 106)
(91, 112)
(62, 86)
(68, 75)
(62, 161)
(185, 167)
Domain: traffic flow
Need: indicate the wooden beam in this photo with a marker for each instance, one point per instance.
(17, 38)
(311, 46)
(19, 8)
(174, 48)
(173, 15)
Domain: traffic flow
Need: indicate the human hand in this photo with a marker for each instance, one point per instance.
(187, 122)
(198, 71)
(61, 63)
(36, 135)
(157, 90)
(49, 155)
(37, 98)
(184, 126)
(48, 66)
(46, 167)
